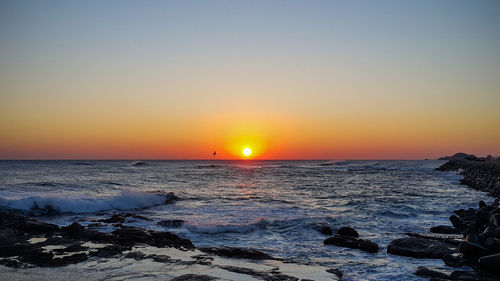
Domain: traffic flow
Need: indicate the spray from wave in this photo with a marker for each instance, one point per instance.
(50, 205)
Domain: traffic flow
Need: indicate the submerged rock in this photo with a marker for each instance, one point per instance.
(351, 242)
(326, 230)
(420, 248)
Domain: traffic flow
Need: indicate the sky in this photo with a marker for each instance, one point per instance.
(288, 79)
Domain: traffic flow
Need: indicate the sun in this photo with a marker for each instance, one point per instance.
(247, 151)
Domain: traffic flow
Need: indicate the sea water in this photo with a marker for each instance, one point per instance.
(274, 206)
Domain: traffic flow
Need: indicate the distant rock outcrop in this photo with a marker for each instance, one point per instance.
(459, 156)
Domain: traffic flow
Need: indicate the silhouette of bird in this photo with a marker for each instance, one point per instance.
(215, 153)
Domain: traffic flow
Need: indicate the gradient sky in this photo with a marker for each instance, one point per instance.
(290, 79)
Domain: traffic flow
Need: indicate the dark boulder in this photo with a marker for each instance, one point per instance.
(348, 231)
(353, 243)
(472, 250)
(490, 263)
(444, 229)
(368, 246)
(420, 248)
(326, 230)
(36, 227)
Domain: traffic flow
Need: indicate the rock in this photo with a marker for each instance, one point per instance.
(419, 248)
(109, 251)
(326, 230)
(444, 229)
(353, 243)
(482, 204)
(9, 236)
(10, 263)
(495, 220)
(77, 247)
(36, 227)
(426, 272)
(342, 241)
(368, 246)
(271, 276)
(233, 252)
(457, 222)
(171, 223)
(348, 231)
(490, 263)
(135, 255)
(472, 250)
(462, 275)
(76, 258)
(335, 271)
(193, 277)
(73, 229)
(453, 260)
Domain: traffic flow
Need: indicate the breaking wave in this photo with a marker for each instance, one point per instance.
(49, 205)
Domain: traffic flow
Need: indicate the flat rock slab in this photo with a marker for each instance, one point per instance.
(420, 248)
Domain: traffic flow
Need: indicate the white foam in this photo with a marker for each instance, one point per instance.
(124, 201)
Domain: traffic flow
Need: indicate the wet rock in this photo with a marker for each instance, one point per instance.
(419, 248)
(193, 277)
(73, 229)
(66, 260)
(463, 275)
(348, 231)
(326, 230)
(77, 247)
(234, 252)
(444, 229)
(472, 250)
(35, 227)
(9, 236)
(11, 263)
(171, 223)
(457, 222)
(160, 258)
(351, 242)
(335, 271)
(109, 251)
(368, 246)
(135, 255)
(490, 263)
(426, 272)
(271, 276)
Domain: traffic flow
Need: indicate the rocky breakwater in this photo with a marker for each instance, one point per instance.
(473, 240)
(479, 173)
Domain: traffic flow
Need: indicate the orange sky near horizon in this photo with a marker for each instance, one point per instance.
(290, 80)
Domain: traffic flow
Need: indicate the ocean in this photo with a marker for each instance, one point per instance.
(276, 207)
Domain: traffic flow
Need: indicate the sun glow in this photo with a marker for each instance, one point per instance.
(247, 151)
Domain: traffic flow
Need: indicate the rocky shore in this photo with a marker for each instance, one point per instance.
(27, 243)
(473, 240)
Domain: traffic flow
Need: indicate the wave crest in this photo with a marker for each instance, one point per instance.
(127, 200)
